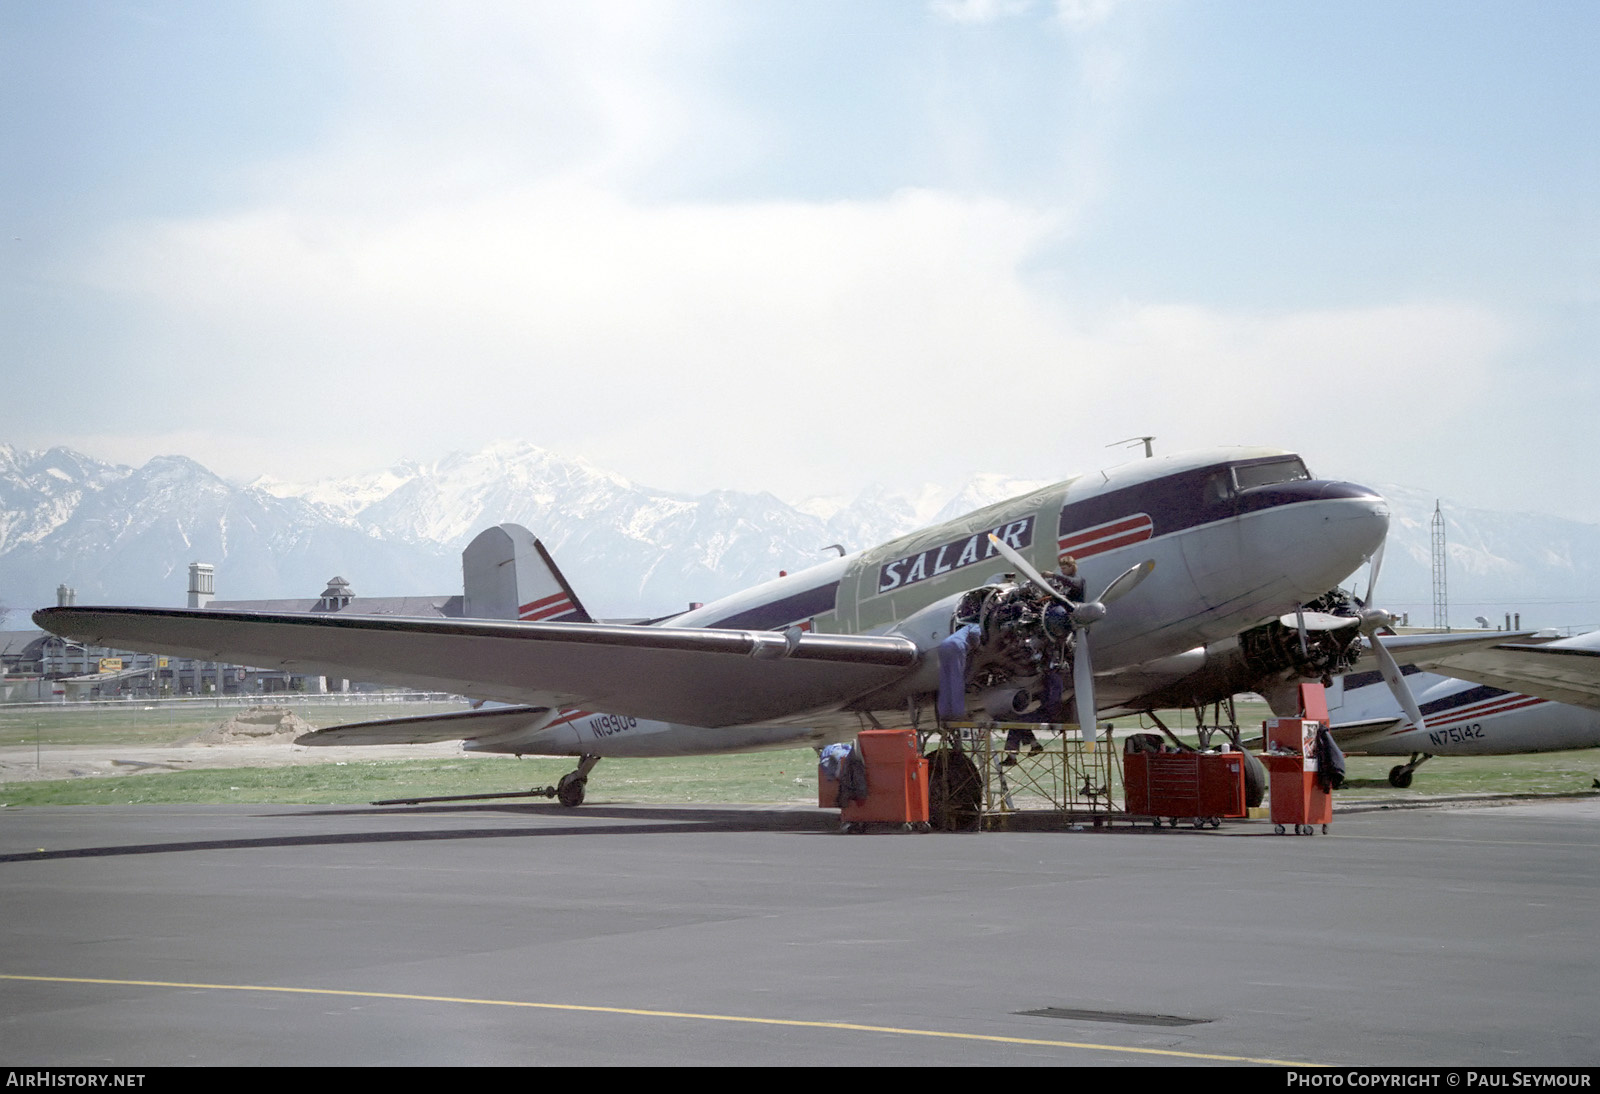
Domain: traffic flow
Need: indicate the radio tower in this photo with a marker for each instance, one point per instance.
(1441, 602)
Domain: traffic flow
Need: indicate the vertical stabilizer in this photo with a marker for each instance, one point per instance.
(507, 574)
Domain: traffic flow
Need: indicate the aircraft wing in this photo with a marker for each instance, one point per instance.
(1410, 649)
(1566, 670)
(694, 676)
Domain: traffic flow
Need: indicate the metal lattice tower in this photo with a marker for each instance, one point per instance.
(1441, 602)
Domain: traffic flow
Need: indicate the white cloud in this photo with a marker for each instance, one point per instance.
(1081, 15)
(980, 11)
(467, 256)
(445, 100)
(778, 344)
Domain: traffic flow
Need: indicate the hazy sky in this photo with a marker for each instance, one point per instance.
(803, 245)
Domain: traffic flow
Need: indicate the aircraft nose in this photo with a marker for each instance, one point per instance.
(1348, 523)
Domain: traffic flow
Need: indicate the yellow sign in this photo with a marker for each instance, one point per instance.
(110, 664)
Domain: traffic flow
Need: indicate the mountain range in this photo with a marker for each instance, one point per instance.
(119, 534)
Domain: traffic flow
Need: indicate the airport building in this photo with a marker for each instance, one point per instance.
(36, 666)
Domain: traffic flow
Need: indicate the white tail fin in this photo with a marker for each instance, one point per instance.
(507, 574)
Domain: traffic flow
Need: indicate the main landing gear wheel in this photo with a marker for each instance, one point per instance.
(1400, 777)
(955, 791)
(569, 791)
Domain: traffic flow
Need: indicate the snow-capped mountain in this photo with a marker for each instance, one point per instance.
(121, 535)
(40, 491)
(342, 499)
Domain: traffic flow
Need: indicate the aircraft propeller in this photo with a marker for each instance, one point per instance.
(1373, 619)
(1083, 616)
(1370, 620)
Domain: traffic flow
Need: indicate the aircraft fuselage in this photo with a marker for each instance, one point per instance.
(1463, 719)
(1238, 536)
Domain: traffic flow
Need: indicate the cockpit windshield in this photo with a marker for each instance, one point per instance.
(1267, 472)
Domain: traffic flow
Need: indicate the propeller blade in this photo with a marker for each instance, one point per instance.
(1300, 629)
(1023, 568)
(1397, 682)
(1083, 685)
(1127, 581)
(1372, 571)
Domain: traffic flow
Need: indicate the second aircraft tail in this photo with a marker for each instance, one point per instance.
(507, 574)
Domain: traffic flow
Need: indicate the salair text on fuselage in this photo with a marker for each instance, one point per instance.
(954, 555)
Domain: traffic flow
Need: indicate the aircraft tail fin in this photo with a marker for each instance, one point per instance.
(507, 574)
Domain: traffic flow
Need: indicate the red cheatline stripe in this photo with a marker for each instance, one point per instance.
(535, 605)
(556, 609)
(1484, 709)
(1085, 550)
(571, 716)
(1498, 706)
(1467, 714)
(1109, 527)
(1115, 534)
(1110, 544)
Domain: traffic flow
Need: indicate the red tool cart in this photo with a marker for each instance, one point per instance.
(1291, 760)
(897, 782)
(1203, 787)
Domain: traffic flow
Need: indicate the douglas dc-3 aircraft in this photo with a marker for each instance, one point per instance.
(1191, 550)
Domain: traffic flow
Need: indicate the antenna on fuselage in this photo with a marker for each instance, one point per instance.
(1132, 441)
(834, 547)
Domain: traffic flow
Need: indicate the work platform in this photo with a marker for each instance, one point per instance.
(1053, 775)
(1013, 775)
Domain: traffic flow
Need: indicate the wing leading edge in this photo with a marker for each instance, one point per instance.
(693, 676)
(1566, 670)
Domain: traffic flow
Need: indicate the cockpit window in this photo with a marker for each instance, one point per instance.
(1267, 472)
(1219, 486)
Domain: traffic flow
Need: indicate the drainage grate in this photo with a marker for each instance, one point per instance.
(1125, 1017)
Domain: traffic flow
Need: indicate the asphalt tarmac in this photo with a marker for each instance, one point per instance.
(532, 934)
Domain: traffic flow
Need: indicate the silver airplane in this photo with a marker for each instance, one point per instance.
(1473, 711)
(1186, 551)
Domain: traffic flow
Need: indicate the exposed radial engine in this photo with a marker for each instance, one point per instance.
(1022, 633)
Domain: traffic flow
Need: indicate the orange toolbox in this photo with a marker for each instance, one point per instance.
(897, 780)
(1198, 785)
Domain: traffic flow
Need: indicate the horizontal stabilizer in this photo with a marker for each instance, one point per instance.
(456, 725)
(1355, 736)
